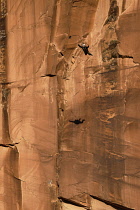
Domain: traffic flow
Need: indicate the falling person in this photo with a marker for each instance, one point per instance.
(85, 48)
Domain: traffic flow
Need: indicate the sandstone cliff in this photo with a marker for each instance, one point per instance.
(69, 122)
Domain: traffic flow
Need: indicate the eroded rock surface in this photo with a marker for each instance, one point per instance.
(70, 122)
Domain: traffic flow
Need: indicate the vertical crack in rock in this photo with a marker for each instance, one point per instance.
(12, 182)
(4, 90)
(53, 22)
(113, 12)
(12, 185)
(110, 102)
(123, 5)
(5, 121)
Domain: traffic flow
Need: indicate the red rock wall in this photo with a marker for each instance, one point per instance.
(48, 161)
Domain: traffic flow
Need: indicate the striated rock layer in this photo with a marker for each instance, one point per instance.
(70, 122)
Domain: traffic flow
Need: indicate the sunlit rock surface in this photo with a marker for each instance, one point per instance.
(70, 122)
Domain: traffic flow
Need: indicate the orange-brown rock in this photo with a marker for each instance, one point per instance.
(69, 122)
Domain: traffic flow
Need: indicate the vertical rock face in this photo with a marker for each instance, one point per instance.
(69, 122)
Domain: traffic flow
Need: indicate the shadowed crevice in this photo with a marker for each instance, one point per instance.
(114, 205)
(123, 5)
(74, 203)
(113, 12)
(8, 145)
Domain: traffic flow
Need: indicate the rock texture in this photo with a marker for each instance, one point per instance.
(70, 122)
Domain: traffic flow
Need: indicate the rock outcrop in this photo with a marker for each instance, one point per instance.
(70, 122)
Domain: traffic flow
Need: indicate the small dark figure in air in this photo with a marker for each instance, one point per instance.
(49, 75)
(85, 49)
(78, 121)
(61, 53)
